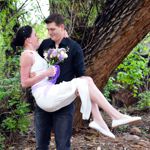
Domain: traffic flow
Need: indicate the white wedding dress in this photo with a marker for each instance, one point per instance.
(51, 97)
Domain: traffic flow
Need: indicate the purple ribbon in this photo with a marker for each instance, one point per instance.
(54, 78)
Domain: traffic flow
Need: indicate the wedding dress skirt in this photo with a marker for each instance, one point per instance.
(52, 97)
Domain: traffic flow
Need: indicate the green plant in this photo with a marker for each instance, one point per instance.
(13, 109)
(133, 71)
(2, 139)
(16, 118)
(144, 99)
(110, 87)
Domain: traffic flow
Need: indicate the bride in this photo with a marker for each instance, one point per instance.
(51, 97)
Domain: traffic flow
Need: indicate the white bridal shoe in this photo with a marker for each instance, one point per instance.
(94, 125)
(126, 119)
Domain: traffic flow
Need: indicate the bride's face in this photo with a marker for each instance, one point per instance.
(34, 40)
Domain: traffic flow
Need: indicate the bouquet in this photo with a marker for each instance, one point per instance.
(53, 57)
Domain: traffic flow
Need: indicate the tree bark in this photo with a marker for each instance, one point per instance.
(120, 27)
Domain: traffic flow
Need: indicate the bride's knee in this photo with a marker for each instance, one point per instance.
(89, 79)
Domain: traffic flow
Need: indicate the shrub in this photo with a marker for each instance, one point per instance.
(144, 99)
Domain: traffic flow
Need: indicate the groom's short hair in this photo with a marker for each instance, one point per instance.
(57, 18)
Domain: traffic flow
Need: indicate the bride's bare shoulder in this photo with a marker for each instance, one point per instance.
(26, 57)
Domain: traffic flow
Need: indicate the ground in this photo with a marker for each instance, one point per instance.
(128, 137)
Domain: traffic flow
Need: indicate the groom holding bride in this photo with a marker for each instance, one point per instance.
(62, 119)
(72, 67)
(55, 108)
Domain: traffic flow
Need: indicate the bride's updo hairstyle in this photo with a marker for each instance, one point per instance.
(22, 34)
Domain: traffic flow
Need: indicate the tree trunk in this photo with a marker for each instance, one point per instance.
(120, 27)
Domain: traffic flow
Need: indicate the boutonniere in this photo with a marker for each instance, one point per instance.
(67, 49)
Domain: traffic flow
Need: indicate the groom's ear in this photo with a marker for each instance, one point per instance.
(62, 26)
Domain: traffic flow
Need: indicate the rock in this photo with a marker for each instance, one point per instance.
(133, 138)
(136, 147)
(135, 131)
(145, 144)
(98, 148)
(87, 138)
(123, 97)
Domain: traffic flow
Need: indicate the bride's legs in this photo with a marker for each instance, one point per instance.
(97, 116)
(98, 98)
(98, 123)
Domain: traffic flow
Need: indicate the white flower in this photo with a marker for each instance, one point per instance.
(45, 54)
(62, 53)
(65, 55)
(51, 56)
(58, 55)
(62, 49)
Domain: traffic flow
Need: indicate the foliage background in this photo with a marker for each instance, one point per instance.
(133, 74)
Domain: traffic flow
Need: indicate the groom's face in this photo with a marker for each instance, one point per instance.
(55, 31)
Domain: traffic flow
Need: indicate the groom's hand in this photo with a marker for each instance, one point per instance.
(66, 34)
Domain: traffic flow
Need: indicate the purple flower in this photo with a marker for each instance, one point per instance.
(61, 57)
(54, 53)
(49, 53)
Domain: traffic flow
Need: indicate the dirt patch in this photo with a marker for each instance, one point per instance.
(128, 137)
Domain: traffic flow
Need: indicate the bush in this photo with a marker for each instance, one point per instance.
(2, 139)
(132, 72)
(13, 109)
(110, 87)
(144, 99)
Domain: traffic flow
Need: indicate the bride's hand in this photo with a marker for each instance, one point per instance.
(51, 71)
(33, 74)
(76, 93)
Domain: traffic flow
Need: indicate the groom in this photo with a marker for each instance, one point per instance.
(61, 120)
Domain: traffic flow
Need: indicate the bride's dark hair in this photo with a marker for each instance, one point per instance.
(22, 34)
